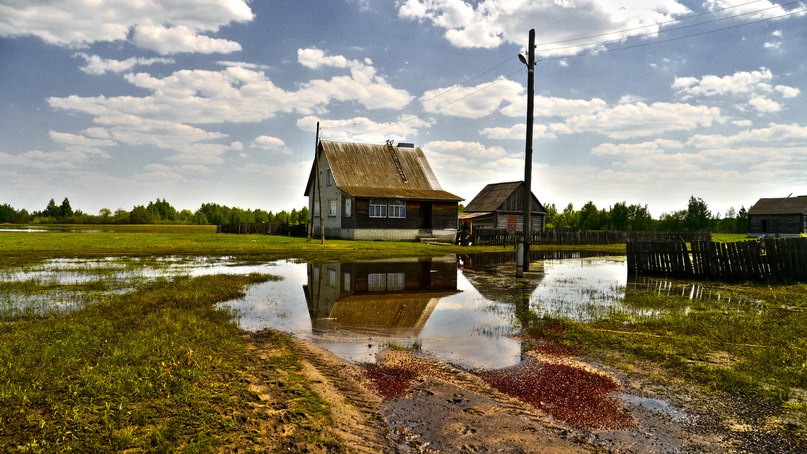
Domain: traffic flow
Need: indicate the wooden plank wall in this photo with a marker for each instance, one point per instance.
(768, 260)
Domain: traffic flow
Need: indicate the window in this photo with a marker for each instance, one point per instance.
(332, 278)
(390, 282)
(378, 208)
(376, 282)
(316, 209)
(329, 175)
(332, 208)
(348, 206)
(397, 209)
(396, 281)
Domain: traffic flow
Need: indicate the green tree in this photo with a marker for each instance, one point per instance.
(105, 214)
(697, 217)
(65, 210)
(141, 215)
(619, 216)
(304, 215)
(51, 210)
(551, 219)
(8, 214)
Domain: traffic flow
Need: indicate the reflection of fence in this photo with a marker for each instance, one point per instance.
(772, 259)
(504, 237)
(265, 228)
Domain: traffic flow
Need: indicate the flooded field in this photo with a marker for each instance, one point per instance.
(461, 309)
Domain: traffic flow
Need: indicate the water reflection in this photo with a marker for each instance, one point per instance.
(371, 297)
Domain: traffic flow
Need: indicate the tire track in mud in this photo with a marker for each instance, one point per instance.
(354, 408)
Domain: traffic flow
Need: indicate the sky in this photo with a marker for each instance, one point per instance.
(115, 103)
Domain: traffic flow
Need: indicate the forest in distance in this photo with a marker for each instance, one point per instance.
(621, 216)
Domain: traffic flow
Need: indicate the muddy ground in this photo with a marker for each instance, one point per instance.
(413, 403)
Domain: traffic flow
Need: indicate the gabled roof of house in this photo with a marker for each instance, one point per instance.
(382, 171)
(493, 196)
(786, 205)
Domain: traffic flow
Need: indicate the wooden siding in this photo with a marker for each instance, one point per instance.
(444, 216)
(773, 224)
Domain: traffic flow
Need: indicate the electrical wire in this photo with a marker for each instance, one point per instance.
(658, 32)
(584, 54)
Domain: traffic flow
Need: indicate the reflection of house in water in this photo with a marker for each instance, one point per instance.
(393, 296)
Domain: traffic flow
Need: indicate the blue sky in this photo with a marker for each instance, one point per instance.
(116, 103)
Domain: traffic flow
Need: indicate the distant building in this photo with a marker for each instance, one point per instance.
(501, 206)
(378, 192)
(784, 217)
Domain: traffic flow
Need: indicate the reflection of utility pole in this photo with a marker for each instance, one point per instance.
(527, 229)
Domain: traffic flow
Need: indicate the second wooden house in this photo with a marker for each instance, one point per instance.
(500, 206)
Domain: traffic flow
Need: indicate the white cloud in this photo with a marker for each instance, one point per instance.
(315, 58)
(550, 106)
(640, 119)
(495, 22)
(787, 92)
(472, 102)
(741, 82)
(98, 66)
(775, 136)
(172, 40)
(271, 143)
(362, 129)
(79, 23)
(763, 104)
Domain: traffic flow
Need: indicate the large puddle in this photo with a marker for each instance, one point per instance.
(463, 309)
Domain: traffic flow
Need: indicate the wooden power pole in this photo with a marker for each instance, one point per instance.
(527, 229)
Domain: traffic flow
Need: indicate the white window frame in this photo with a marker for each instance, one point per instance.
(348, 207)
(376, 282)
(396, 282)
(329, 176)
(332, 204)
(396, 209)
(378, 208)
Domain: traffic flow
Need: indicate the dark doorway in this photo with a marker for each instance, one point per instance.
(425, 215)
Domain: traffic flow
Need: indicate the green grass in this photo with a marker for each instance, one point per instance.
(157, 369)
(753, 344)
(161, 240)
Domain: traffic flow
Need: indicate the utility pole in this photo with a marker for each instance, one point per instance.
(527, 230)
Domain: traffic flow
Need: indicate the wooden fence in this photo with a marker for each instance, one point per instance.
(264, 228)
(768, 260)
(504, 237)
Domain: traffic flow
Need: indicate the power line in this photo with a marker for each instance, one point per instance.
(705, 13)
(678, 38)
(595, 43)
(584, 54)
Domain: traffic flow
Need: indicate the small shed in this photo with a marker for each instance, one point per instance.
(501, 206)
(378, 192)
(778, 216)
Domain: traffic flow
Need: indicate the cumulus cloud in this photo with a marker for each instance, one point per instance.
(472, 102)
(270, 143)
(495, 22)
(752, 87)
(77, 23)
(640, 119)
(364, 129)
(98, 66)
(172, 40)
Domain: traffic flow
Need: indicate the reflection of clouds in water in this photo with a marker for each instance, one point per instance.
(461, 324)
(580, 289)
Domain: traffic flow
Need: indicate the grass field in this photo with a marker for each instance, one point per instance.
(156, 367)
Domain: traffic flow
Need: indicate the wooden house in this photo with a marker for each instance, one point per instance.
(378, 192)
(778, 216)
(500, 206)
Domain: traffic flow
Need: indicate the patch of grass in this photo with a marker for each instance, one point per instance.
(157, 369)
(18, 249)
(751, 345)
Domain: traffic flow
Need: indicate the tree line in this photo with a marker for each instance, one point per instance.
(621, 216)
(156, 212)
(697, 217)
